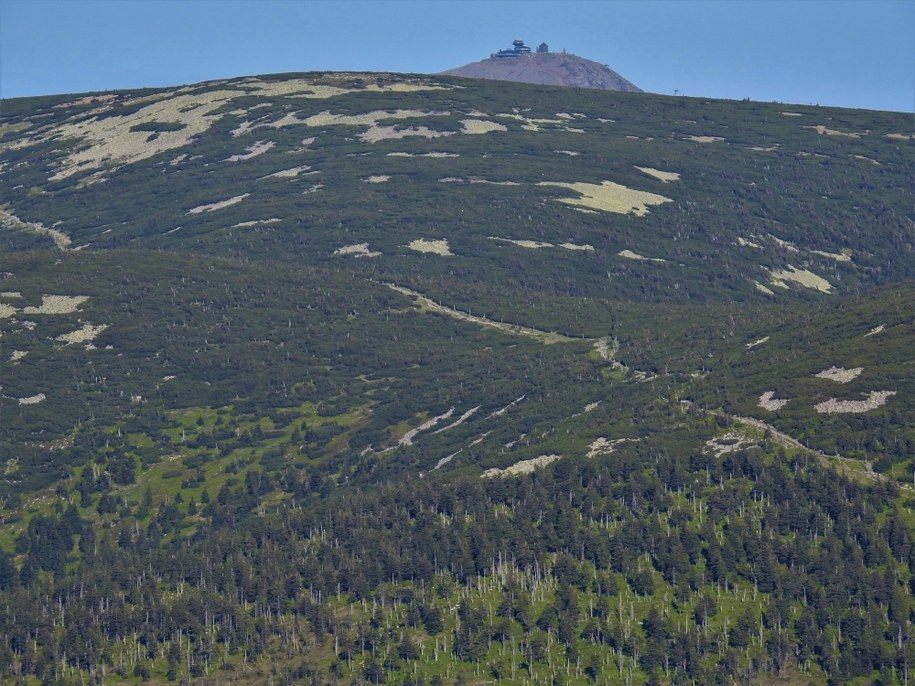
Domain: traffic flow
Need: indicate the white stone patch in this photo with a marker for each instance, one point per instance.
(604, 446)
(436, 247)
(802, 277)
(731, 442)
(378, 178)
(519, 468)
(499, 413)
(33, 400)
(17, 355)
(475, 179)
(763, 289)
(839, 374)
(256, 222)
(170, 377)
(576, 246)
(874, 400)
(768, 402)
(425, 154)
(570, 153)
(212, 207)
(901, 136)
(254, 150)
(629, 255)
(664, 176)
(875, 330)
(460, 420)
(759, 148)
(757, 342)
(792, 114)
(408, 437)
(743, 242)
(57, 304)
(85, 334)
(480, 126)
(357, 250)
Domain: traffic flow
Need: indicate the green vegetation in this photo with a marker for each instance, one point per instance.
(233, 452)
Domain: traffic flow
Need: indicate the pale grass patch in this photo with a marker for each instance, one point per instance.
(254, 150)
(629, 255)
(57, 304)
(85, 334)
(768, 402)
(86, 100)
(792, 114)
(704, 139)
(844, 256)
(111, 140)
(822, 130)
(288, 173)
(357, 250)
(564, 115)
(177, 160)
(664, 176)
(256, 222)
(7, 310)
(475, 179)
(570, 153)
(10, 294)
(759, 148)
(522, 467)
(874, 400)
(379, 178)
(802, 277)
(763, 289)
(901, 136)
(313, 189)
(839, 374)
(61, 240)
(748, 244)
(757, 342)
(609, 197)
(480, 126)
(522, 243)
(787, 245)
(382, 133)
(436, 247)
(17, 355)
(451, 179)
(875, 330)
(576, 246)
(33, 400)
(212, 207)
(867, 159)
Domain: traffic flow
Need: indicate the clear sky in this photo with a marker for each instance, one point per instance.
(850, 53)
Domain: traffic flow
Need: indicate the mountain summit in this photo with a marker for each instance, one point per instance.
(520, 64)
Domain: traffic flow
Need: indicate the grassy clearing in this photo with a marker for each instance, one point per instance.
(610, 197)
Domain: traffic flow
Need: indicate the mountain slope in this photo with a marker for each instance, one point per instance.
(347, 378)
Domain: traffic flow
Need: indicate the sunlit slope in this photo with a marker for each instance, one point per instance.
(572, 192)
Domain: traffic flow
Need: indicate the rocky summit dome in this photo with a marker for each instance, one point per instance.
(522, 65)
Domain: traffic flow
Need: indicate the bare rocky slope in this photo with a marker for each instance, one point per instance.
(548, 68)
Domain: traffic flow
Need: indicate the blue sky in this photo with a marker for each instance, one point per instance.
(850, 53)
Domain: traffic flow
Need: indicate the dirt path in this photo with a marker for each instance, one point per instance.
(843, 464)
